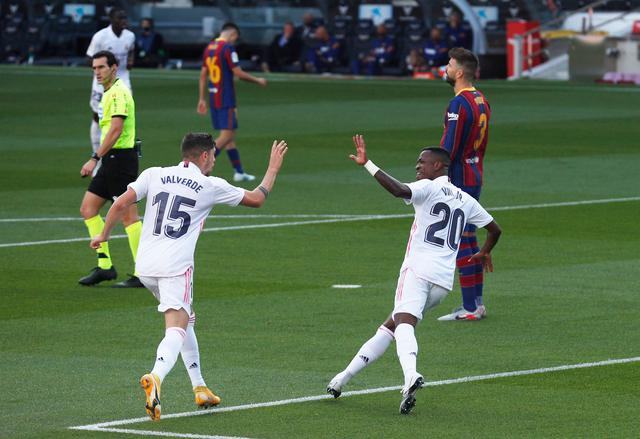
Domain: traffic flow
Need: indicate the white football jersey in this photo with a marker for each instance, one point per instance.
(120, 46)
(179, 198)
(442, 211)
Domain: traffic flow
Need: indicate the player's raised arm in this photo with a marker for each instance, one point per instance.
(257, 197)
(395, 187)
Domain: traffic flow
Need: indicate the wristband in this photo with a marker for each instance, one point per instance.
(95, 157)
(264, 191)
(369, 166)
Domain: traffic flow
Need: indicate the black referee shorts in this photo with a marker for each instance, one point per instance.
(119, 168)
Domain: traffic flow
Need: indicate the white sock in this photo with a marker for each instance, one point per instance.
(168, 351)
(94, 134)
(407, 348)
(191, 356)
(370, 351)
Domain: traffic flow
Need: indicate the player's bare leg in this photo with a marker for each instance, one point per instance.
(90, 211)
(369, 352)
(407, 349)
(227, 141)
(133, 228)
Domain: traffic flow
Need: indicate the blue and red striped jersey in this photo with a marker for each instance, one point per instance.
(220, 58)
(466, 132)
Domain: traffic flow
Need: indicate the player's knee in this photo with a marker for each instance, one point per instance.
(87, 211)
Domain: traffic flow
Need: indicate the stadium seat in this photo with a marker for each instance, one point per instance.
(12, 43)
(61, 36)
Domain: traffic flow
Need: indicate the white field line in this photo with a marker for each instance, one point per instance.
(108, 426)
(283, 215)
(336, 219)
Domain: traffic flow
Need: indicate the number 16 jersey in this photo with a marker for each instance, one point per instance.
(442, 211)
(179, 199)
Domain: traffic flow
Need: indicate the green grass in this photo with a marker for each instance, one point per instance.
(270, 327)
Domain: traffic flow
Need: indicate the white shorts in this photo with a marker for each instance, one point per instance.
(415, 295)
(174, 292)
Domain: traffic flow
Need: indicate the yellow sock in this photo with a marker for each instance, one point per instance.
(95, 226)
(133, 233)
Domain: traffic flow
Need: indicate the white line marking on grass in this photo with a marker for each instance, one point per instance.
(292, 215)
(107, 426)
(336, 219)
(159, 433)
(346, 286)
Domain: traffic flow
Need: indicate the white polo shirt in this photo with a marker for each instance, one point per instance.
(442, 211)
(179, 199)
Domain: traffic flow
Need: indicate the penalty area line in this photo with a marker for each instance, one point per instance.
(109, 426)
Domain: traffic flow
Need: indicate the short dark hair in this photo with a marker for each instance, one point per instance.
(111, 58)
(467, 60)
(440, 153)
(149, 19)
(115, 11)
(230, 25)
(194, 144)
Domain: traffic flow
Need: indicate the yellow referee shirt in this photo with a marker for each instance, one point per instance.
(117, 101)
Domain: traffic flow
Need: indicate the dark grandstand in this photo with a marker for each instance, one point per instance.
(58, 32)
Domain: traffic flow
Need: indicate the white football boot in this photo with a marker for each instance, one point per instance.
(462, 314)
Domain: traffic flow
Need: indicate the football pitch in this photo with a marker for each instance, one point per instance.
(557, 356)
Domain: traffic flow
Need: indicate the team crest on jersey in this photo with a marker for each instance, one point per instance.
(452, 116)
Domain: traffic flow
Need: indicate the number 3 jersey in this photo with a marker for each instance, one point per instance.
(442, 210)
(179, 199)
(465, 136)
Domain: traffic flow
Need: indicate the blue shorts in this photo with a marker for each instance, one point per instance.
(224, 118)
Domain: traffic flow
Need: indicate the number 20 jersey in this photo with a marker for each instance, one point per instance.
(179, 199)
(442, 211)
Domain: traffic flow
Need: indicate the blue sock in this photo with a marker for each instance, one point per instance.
(217, 152)
(234, 156)
(467, 274)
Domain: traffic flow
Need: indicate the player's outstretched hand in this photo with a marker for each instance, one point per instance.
(96, 241)
(278, 150)
(485, 258)
(202, 107)
(361, 150)
(262, 82)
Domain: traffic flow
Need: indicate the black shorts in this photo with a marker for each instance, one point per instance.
(119, 168)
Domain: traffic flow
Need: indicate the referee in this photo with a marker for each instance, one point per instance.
(119, 168)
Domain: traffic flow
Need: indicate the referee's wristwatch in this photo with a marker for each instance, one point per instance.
(95, 157)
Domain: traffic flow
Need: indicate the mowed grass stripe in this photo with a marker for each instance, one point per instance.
(467, 379)
(336, 220)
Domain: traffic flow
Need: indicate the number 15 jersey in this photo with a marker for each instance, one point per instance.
(442, 211)
(179, 199)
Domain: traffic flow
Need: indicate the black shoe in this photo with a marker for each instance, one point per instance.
(409, 395)
(98, 275)
(132, 282)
